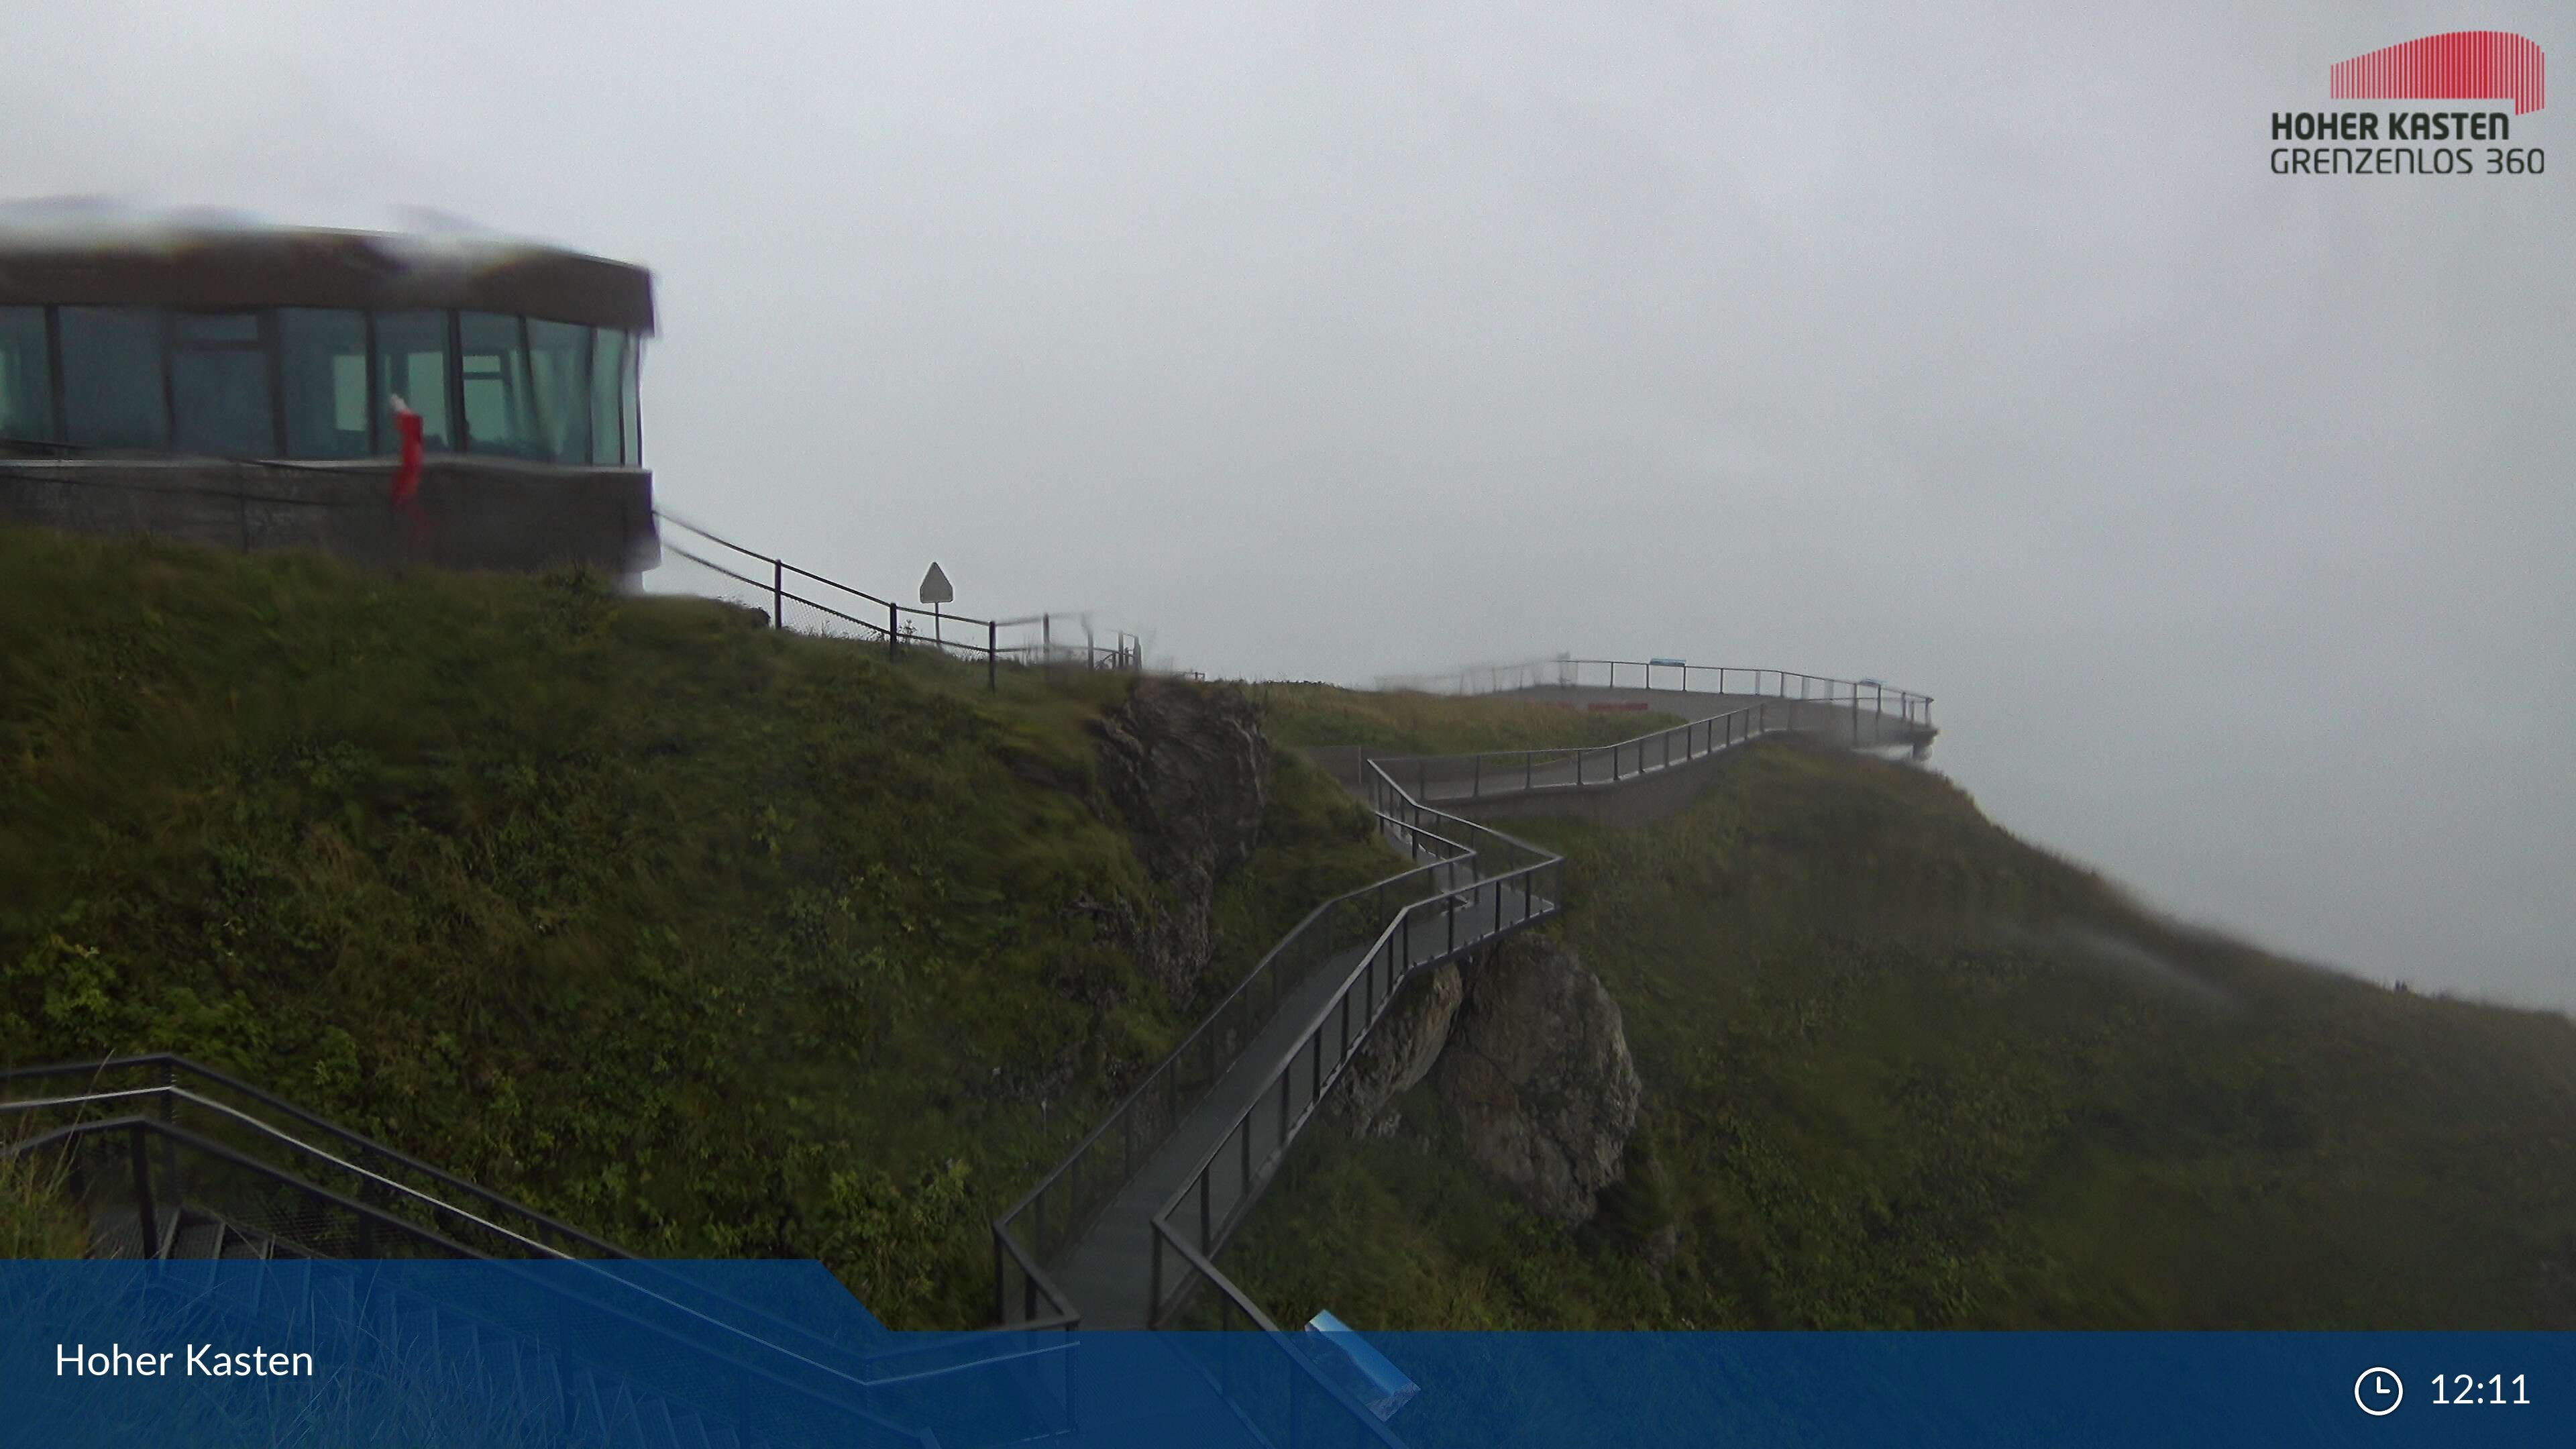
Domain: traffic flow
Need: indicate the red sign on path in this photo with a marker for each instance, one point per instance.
(2463, 65)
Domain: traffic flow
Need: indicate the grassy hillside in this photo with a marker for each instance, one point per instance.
(711, 939)
(1905, 1071)
(1324, 714)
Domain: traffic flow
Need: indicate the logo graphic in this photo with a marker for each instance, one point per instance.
(2469, 140)
(2463, 65)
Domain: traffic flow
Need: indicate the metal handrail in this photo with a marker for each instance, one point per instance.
(170, 1095)
(197, 1143)
(194, 1142)
(1516, 772)
(1125, 653)
(1567, 673)
(173, 1067)
(1302, 1368)
(1379, 976)
(1165, 1078)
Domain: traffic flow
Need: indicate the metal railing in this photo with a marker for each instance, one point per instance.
(155, 1137)
(1674, 675)
(1269, 1377)
(1065, 1204)
(1266, 1373)
(1514, 885)
(227, 1109)
(1492, 773)
(1032, 641)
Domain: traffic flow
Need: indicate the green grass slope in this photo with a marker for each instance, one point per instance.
(1905, 1071)
(714, 940)
(1430, 724)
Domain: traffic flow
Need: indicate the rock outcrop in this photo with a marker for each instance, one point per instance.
(1538, 1071)
(1186, 767)
(1399, 1053)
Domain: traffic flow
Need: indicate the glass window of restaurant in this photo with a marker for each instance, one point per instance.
(411, 363)
(607, 414)
(559, 367)
(630, 398)
(500, 413)
(322, 373)
(112, 383)
(220, 402)
(26, 377)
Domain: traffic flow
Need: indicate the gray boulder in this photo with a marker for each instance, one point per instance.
(1186, 769)
(1399, 1053)
(1537, 1069)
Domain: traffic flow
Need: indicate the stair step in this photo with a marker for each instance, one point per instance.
(116, 1232)
(653, 1422)
(197, 1238)
(244, 1245)
(545, 1387)
(689, 1432)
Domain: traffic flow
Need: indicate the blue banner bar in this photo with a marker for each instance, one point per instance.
(221, 1353)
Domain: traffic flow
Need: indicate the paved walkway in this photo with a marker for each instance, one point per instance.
(1439, 779)
(1108, 1273)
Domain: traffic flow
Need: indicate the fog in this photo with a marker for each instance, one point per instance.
(2229, 515)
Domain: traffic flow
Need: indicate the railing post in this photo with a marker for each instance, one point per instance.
(145, 1219)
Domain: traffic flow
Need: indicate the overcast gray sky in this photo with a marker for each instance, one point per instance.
(2230, 516)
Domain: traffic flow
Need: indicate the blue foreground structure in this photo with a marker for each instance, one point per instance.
(518, 1355)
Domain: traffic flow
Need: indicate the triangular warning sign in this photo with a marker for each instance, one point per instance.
(934, 587)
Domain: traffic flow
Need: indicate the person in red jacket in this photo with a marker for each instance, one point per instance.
(407, 471)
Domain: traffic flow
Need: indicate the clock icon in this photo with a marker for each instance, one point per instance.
(2378, 1391)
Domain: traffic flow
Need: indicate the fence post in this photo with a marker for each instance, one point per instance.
(894, 632)
(777, 593)
(992, 655)
(145, 1219)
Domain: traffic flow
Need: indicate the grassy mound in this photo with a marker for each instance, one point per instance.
(1905, 1071)
(1429, 724)
(711, 939)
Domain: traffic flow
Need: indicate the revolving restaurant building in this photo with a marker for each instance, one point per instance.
(233, 387)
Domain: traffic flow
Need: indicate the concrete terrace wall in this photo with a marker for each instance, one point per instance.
(472, 513)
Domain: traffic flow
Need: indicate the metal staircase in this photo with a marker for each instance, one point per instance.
(253, 1208)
